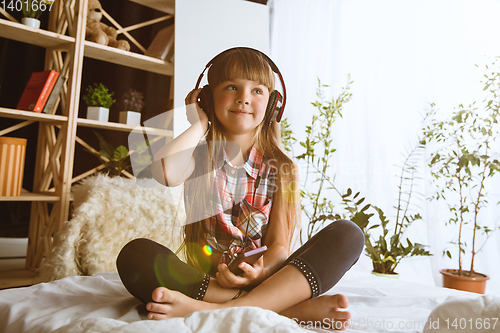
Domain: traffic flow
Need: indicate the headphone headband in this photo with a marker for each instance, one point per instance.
(269, 62)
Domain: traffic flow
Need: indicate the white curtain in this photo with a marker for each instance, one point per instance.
(402, 56)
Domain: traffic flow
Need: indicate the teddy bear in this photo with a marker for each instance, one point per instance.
(99, 32)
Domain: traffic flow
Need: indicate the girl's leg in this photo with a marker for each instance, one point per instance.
(312, 270)
(144, 265)
(329, 254)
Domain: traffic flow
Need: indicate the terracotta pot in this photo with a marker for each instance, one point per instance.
(465, 283)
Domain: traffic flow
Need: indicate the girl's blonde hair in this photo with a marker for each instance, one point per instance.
(251, 65)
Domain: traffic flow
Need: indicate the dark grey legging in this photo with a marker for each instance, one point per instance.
(144, 265)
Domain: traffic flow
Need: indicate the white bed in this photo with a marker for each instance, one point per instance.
(90, 242)
(100, 303)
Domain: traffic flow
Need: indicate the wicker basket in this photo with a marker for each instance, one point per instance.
(12, 154)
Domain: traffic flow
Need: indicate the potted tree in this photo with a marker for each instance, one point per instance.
(99, 100)
(462, 164)
(133, 102)
(32, 10)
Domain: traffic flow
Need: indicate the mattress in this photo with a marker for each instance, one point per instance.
(100, 303)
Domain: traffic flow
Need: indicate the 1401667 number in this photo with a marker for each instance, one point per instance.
(471, 324)
(27, 5)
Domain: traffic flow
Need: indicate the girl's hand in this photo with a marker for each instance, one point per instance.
(252, 275)
(193, 111)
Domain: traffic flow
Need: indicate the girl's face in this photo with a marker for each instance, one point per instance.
(240, 105)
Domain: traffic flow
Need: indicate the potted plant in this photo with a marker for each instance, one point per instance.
(99, 100)
(462, 164)
(133, 102)
(115, 160)
(386, 250)
(32, 10)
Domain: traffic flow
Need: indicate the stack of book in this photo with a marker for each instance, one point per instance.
(41, 92)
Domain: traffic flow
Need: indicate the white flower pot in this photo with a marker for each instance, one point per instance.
(31, 22)
(130, 118)
(391, 276)
(97, 113)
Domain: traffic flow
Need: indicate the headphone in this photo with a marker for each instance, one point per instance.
(276, 104)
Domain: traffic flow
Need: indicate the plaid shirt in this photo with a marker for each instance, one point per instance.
(236, 204)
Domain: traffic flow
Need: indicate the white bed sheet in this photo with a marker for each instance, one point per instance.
(101, 304)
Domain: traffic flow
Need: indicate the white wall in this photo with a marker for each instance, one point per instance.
(401, 55)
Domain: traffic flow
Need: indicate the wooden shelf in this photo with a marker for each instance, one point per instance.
(32, 116)
(128, 59)
(123, 127)
(17, 278)
(39, 37)
(28, 196)
(166, 6)
(56, 141)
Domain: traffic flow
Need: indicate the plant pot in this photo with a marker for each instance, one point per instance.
(12, 153)
(130, 118)
(465, 283)
(97, 113)
(391, 276)
(31, 22)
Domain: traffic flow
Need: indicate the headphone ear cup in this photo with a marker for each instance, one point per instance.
(272, 111)
(205, 99)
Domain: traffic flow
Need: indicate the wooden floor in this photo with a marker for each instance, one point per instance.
(16, 278)
(12, 263)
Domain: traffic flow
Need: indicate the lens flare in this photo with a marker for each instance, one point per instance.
(207, 250)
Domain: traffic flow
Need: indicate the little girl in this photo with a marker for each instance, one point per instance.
(241, 193)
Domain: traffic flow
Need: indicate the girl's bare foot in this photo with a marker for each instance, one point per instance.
(328, 309)
(170, 304)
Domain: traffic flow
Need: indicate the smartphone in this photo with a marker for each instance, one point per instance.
(250, 257)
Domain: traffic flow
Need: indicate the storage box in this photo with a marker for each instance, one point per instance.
(12, 154)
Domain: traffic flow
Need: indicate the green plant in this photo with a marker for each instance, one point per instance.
(133, 100)
(286, 135)
(35, 8)
(99, 95)
(114, 159)
(463, 162)
(386, 249)
(317, 203)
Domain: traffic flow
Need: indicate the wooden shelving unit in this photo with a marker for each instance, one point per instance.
(123, 128)
(129, 59)
(32, 116)
(57, 133)
(28, 196)
(38, 37)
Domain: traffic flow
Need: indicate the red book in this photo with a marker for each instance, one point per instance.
(37, 91)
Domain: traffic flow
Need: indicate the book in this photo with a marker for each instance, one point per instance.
(162, 45)
(37, 91)
(54, 95)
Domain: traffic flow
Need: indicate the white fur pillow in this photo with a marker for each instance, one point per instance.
(465, 314)
(108, 213)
